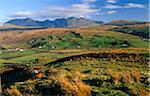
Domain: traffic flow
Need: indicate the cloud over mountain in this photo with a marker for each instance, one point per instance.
(84, 9)
(91, 9)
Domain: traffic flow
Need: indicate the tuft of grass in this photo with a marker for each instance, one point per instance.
(125, 76)
(70, 86)
(13, 92)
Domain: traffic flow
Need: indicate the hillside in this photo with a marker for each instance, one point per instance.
(110, 72)
(141, 30)
(9, 27)
(95, 37)
(125, 22)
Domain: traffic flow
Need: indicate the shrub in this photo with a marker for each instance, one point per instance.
(36, 42)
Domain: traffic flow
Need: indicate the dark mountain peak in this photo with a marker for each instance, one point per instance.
(60, 19)
(76, 18)
(23, 22)
(71, 17)
(28, 19)
(25, 19)
(46, 21)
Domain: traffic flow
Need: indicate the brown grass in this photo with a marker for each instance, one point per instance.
(17, 37)
(114, 75)
(136, 75)
(40, 75)
(13, 92)
(72, 85)
(126, 76)
(139, 92)
(54, 71)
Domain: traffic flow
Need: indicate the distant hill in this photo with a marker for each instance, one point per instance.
(9, 27)
(70, 22)
(125, 22)
(141, 30)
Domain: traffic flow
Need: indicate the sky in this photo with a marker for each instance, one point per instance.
(100, 10)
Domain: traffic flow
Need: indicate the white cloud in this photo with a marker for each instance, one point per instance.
(22, 14)
(112, 12)
(110, 6)
(132, 5)
(111, 1)
(84, 9)
(89, 1)
(129, 5)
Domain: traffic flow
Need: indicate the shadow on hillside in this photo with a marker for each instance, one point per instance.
(12, 76)
(11, 29)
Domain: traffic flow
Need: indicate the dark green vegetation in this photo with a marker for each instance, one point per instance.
(125, 22)
(77, 41)
(142, 32)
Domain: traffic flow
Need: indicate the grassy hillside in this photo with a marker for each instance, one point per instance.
(109, 72)
(97, 37)
(74, 62)
(142, 32)
(76, 40)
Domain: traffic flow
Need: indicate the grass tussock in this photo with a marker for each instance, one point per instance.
(124, 76)
(54, 71)
(71, 85)
(139, 92)
(13, 92)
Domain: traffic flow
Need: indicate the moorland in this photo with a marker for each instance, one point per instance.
(104, 60)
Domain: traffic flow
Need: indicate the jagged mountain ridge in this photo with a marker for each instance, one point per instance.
(70, 22)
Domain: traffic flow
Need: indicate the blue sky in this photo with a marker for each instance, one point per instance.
(102, 10)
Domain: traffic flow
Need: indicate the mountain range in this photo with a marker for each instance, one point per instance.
(70, 22)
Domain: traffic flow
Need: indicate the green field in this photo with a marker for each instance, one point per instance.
(78, 41)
